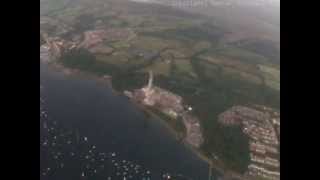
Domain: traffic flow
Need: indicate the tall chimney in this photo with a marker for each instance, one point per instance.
(150, 80)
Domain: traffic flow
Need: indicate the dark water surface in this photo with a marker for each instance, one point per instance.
(89, 133)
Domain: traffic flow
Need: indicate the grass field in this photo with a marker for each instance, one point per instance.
(271, 75)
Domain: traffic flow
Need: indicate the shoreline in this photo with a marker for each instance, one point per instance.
(180, 140)
(148, 114)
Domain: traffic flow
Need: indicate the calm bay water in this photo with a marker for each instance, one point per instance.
(87, 132)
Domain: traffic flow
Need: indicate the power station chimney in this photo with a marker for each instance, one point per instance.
(150, 80)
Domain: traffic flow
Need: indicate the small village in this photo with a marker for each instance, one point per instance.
(92, 41)
(262, 125)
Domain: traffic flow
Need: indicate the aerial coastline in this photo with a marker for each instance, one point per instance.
(197, 81)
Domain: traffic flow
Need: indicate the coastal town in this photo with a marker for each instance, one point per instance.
(263, 128)
(177, 68)
(153, 96)
(262, 125)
